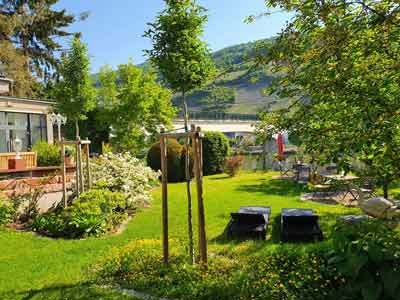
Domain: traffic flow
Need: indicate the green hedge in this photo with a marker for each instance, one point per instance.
(215, 151)
(175, 160)
(47, 154)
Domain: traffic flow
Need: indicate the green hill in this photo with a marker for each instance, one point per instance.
(243, 93)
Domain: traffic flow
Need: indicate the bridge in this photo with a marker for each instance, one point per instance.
(231, 124)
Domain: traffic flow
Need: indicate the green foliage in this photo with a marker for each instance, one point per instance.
(38, 28)
(94, 213)
(215, 151)
(139, 101)
(278, 276)
(7, 211)
(339, 60)
(368, 256)
(74, 93)
(175, 159)
(219, 98)
(182, 59)
(47, 154)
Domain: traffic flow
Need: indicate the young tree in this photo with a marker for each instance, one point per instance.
(340, 60)
(74, 92)
(182, 59)
(134, 104)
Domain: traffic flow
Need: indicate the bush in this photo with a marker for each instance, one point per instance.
(7, 211)
(233, 165)
(215, 151)
(95, 212)
(125, 174)
(47, 154)
(367, 255)
(175, 160)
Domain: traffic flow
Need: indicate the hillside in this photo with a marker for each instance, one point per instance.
(237, 89)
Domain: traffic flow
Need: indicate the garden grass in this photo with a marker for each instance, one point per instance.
(33, 267)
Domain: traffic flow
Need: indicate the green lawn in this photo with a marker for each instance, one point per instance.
(33, 267)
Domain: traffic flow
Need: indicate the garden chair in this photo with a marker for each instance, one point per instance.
(299, 225)
(250, 222)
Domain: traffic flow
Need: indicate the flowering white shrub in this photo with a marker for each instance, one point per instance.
(126, 174)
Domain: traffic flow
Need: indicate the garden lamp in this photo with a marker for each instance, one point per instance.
(58, 119)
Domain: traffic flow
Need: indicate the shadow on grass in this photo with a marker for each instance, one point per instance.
(280, 187)
(222, 177)
(68, 292)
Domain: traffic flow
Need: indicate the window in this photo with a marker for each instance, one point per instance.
(28, 128)
(38, 128)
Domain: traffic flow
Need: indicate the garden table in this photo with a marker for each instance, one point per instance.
(346, 182)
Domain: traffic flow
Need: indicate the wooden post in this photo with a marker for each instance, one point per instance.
(77, 170)
(63, 173)
(81, 181)
(197, 151)
(164, 178)
(88, 175)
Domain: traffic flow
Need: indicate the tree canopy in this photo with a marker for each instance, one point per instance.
(74, 92)
(134, 104)
(340, 60)
(182, 58)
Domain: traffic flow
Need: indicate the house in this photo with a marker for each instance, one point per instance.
(25, 120)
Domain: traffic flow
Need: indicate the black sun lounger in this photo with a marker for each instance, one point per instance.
(249, 222)
(299, 225)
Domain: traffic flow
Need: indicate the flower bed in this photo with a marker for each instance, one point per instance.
(358, 264)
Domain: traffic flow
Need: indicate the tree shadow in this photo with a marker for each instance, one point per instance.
(82, 291)
(222, 177)
(280, 187)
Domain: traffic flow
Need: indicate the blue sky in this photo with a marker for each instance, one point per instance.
(114, 29)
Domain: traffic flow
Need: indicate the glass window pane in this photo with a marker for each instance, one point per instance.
(38, 128)
(21, 135)
(17, 121)
(2, 118)
(3, 141)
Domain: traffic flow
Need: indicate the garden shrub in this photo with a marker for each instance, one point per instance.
(233, 165)
(47, 154)
(175, 160)
(7, 211)
(96, 212)
(368, 256)
(125, 174)
(215, 151)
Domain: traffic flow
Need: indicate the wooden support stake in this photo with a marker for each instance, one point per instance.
(77, 170)
(197, 151)
(164, 178)
(63, 174)
(81, 179)
(88, 175)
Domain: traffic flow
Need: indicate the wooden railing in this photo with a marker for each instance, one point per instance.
(30, 159)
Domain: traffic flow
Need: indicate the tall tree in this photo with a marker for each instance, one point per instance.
(12, 61)
(183, 61)
(340, 60)
(74, 92)
(38, 28)
(133, 104)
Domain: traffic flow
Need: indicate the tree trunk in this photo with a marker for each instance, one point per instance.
(386, 188)
(77, 128)
(187, 177)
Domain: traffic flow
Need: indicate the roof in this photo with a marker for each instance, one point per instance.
(38, 101)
